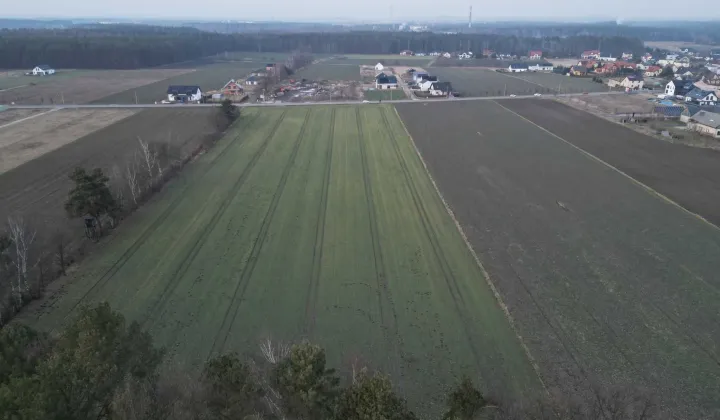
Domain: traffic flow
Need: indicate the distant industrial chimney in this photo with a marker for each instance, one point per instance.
(470, 18)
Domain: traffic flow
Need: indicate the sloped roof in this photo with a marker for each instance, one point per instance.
(182, 89)
(710, 119)
(442, 86)
(581, 69)
(669, 111)
(518, 66)
(387, 80)
(44, 67)
(698, 93)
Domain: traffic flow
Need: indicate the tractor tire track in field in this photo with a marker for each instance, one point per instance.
(311, 299)
(246, 274)
(158, 307)
(115, 267)
(450, 280)
(380, 276)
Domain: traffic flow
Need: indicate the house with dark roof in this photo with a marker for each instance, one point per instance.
(701, 97)
(183, 93)
(252, 81)
(386, 82)
(679, 88)
(43, 70)
(517, 67)
(440, 89)
(705, 123)
(578, 71)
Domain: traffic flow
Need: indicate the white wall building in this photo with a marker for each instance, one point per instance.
(43, 70)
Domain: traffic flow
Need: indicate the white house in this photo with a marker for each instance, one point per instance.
(379, 67)
(517, 68)
(425, 86)
(383, 81)
(607, 58)
(440, 89)
(465, 56)
(629, 83)
(701, 97)
(447, 55)
(43, 70)
(679, 87)
(627, 56)
(541, 67)
(181, 93)
(251, 81)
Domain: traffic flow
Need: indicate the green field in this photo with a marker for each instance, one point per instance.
(371, 60)
(329, 71)
(316, 222)
(15, 78)
(385, 95)
(208, 77)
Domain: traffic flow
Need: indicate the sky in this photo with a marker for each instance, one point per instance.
(355, 11)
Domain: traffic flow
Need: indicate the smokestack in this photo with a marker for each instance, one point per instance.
(470, 18)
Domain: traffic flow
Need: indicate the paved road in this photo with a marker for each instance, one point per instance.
(483, 98)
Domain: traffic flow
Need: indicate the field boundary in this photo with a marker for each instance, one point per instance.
(27, 118)
(246, 273)
(311, 300)
(450, 279)
(486, 275)
(115, 267)
(647, 188)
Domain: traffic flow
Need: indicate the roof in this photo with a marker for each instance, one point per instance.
(710, 119)
(682, 85)
(182, 89)
(669, 111)
(44, 67)
(442, 86)
(386, 80)
(543, 64)
(581, 69)
(429, 78)
(535, 52)
(251, 79)
(698, 93)
(518, 66)
(635, 78)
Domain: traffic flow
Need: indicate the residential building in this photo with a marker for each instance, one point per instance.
(541, 67)
(252, 81)
(578, 71)
(417, 76)
(701, 97)
(632, 83)
(517, 68)
(627, 56)
(670, 58)
(379, 67)
(465, 55)
(440, 89)
(426, 78)
(535, 55)
(487, 52)
(646, 57)
(425, 85)
(182, 93)
(270, 69)
(590, 54)
(43, 70)
(705, 123)
(607, 58)
(653, 71)
(712, 78)
(434, 54)
(679, 88)
(446, 55)
(607, 69)
(232, 88)
(406, 52)
(382, 81)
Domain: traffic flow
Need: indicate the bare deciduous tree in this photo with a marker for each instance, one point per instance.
(22, 238)
(60, 243)
(149, 158)
(131, 178)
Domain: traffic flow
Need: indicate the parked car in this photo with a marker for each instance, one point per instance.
(538, 94)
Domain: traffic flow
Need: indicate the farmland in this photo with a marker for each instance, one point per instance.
(608, 284)
(37, 189)
(210, 76)
(327, 71)
(483, 82)
(384, 95)
(389, 60)
(316, 222)
(77, 87)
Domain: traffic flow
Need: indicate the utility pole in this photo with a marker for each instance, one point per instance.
(62, 97)
(136, 100)
(505, 90)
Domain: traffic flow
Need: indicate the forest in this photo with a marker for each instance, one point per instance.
(138, 46)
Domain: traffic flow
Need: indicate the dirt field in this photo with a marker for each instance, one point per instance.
(612, 104)
(38, 188)
(326, 71)
(12, 115)
(84, 86)
(686, 175)
(483, 82)
(606, 282)
(560, 83)
(43, 133)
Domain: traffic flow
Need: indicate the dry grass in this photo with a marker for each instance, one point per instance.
(27, 140)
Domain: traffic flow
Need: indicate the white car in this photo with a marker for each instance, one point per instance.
(513, 95)
(366, 102)
(538, 94)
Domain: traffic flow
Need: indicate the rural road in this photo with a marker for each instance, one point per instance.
(483, 98)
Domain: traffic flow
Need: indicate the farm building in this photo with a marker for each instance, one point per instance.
(383, 81)
(43, 70)
(517, 68)
(541, 67)
(182, 93)
(706, 123)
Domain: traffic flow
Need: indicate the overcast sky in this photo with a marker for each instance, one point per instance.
(364, 10)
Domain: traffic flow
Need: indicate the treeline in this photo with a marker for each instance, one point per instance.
(137, 46)
(102, 367)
